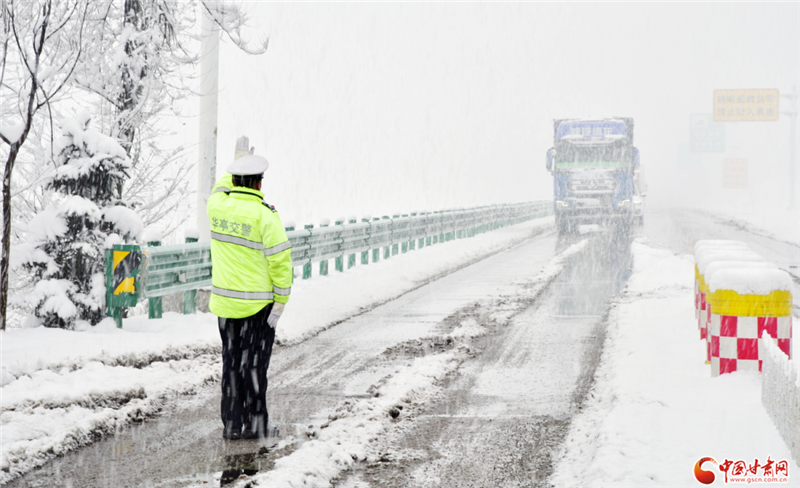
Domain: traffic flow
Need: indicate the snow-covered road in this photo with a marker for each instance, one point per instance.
(311, 379)
(501, 419)
(476, 377)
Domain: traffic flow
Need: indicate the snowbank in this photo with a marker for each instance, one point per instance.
(654, 410)
(61, 389)
(780, 394)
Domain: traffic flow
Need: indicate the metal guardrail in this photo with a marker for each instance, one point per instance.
(187, 267)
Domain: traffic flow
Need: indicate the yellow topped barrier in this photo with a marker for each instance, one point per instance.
(728, 302)
(703, 286)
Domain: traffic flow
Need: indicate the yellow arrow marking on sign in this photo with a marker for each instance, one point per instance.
(119, 256)
(127, 285)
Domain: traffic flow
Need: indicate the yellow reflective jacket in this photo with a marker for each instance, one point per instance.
(250, 253)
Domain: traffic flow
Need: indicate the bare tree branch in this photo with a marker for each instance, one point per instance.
(231, 19)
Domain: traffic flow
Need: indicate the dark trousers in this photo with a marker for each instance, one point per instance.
(246, 351)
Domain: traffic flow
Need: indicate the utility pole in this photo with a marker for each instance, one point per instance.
(207, 162)
(792, 113)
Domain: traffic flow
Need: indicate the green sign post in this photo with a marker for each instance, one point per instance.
(123, 263)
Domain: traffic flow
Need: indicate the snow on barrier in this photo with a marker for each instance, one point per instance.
(135, 272)
(780, 394)
(705, 245)
(745, 303)
(704, 257)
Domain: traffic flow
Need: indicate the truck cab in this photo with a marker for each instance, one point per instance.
(594, 164)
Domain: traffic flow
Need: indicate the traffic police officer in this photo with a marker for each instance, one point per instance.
(252, 279)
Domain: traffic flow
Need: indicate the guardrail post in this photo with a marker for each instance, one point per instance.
(412, 242)
(387, 251)
(190, 296)
(365, 254)
(351, 259)
(323, 265)
(154, 310)
(450, 234)
(116, 314)
(404, 245)
(395, 246)
(376, 253)
(421, 240)
(339, 261)
(294, 269)
(307, 266)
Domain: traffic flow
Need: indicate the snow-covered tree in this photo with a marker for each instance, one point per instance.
(42, 43)
(135, 55)
(144, 70)
(67, 240)
(141, 70)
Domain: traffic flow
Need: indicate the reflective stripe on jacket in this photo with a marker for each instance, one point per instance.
(250, 253)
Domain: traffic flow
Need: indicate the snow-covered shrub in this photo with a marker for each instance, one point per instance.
(780, 394)
(66, 241)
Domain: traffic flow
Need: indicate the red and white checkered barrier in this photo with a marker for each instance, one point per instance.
(707, 333)
(697, 295)
(735, 344)
(702, 314)
(712, 268)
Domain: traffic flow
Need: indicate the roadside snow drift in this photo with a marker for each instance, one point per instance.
(655, 410)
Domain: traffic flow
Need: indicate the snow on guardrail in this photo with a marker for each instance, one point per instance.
(134, 272)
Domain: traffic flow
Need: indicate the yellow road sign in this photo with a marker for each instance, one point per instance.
(746, 105)
(124, 264)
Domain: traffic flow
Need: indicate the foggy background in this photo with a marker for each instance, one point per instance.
(390, 108)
